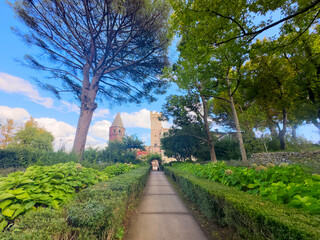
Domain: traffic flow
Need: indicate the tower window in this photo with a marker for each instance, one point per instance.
(119, 130)
(114, 130)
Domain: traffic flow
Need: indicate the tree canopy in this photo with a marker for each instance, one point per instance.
(107, 50)
(33, 137)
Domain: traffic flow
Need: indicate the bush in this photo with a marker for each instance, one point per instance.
(95, 213)
(227, 149)
(42, 223)
(20, 157)
(251, 216)
(101, 208)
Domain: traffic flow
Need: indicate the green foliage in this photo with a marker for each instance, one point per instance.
(22, 157)
(43, 186)
(282, 184)
(95, 213)
(227, 149)
(154, 156)
(253, 218)
(42, 223)
(117, 169)
(31, 136)
(124, 151)
(49, 186)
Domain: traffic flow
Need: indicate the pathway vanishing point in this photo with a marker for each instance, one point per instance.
(162, 215)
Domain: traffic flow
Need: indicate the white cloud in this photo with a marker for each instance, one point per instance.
(166, 125)
(69, 107)
(96, 144)
(100, 129)
(12, 84)
(101, 113)
(17, 114)
(136, 119)
(63, 132)
(146, 138)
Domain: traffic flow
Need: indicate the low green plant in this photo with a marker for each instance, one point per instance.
(290, 185)
(118, 168)
(250, 215)
(96, 212)
(48, 186)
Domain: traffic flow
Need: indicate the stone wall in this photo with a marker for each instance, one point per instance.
(284, 157)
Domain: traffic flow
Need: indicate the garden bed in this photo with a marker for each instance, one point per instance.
(252, 216)
(94, 213)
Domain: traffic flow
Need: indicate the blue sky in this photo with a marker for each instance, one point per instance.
(20, 98)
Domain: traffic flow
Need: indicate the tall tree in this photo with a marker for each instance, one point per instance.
(205, 68)
(303, 54)
(271, 85)
(188, 137)
(33, 137)
(6, 133)
(250, 18)
(110, 49)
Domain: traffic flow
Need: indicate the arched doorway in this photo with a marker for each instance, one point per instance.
(155, 165)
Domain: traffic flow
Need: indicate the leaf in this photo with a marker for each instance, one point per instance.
(28, 180)
(8, 212)
(18, 191)
(18, 212)
(252, 185)
(29, 205)
(5, 203)
(4, 196)
(24, 196)
(3, 224)
(316, 177)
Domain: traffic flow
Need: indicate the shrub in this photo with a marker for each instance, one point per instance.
(95, 213)
(21, 157)
(227, 149)
(251, 216)
(290, 185)
(101, 208)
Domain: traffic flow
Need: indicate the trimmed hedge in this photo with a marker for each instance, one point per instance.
(95, 213)
(253, 217)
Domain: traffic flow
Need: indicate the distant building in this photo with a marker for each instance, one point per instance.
(157, 132)
(117, 130)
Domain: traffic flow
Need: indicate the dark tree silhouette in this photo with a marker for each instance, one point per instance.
(99, 49)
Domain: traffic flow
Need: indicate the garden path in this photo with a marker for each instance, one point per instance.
(161, 215)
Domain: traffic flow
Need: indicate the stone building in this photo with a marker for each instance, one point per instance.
(117, 130)
(157, 132)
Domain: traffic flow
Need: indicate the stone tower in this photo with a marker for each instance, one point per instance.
(117, 130)
(155, 129)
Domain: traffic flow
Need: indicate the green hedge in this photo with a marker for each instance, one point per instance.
(251, 216)
(20, 157)
(95, 213)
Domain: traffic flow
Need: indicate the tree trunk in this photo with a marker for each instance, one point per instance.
(294, 132)
(236, 121)
(282, 133)
(213, 157)
(83, 128)
(88, 105)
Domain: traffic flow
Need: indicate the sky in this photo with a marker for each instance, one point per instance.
(21, 98)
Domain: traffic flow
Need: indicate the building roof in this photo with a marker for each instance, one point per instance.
(117, 121)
